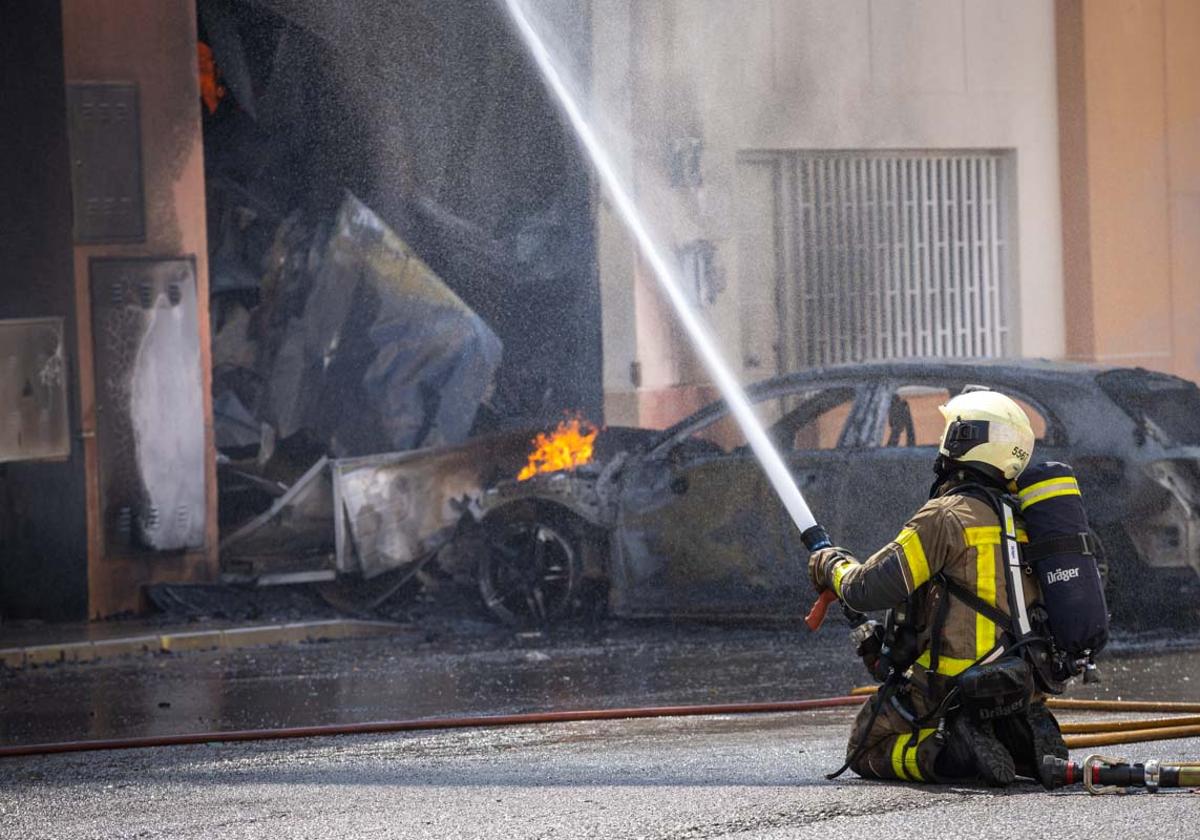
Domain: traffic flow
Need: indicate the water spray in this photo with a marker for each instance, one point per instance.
(811, 533)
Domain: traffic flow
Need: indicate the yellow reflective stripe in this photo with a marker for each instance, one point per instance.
(1048, 496)
(948, 666)
(921, 736)
(985, 589)
(839, 572)
(1061, 481)
(910, 761)
(990, 535)
(1049, 489)
(983, 535)
(904, 755)
(914, 556)
(898, 755)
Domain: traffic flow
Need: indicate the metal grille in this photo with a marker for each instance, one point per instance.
(894, 255)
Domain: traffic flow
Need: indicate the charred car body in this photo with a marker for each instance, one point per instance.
(683, 523)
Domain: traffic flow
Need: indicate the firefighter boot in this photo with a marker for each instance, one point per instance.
(1029, 736)
(1047, 737)
(992, 761)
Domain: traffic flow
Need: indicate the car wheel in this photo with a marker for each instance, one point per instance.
(529, 573)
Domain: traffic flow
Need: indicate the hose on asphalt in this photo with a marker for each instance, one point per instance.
(1093, 726)
(381, 727)
(1160, 706)
(1093, 734)
(1132, 736)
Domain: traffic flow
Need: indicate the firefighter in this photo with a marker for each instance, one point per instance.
(960, 699)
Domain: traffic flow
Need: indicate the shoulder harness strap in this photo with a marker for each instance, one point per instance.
(1016, 582)
(1016, 623)
(978, 604)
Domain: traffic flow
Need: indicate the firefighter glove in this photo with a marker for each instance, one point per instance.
(824, 568)
(868, 637)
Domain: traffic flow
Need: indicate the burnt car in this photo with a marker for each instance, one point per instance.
(684, 523)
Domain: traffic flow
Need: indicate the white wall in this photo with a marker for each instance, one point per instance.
(746, 75)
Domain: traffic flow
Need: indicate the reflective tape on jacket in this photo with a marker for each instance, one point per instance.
(914, 557)
(839, 572)
(986, 540)
(1051, 488)
(985, 588)
(990, 535)
(948, 666)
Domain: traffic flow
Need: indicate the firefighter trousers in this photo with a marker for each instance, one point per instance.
(896, 749)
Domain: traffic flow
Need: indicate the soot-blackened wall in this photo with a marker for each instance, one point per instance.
(43, 530)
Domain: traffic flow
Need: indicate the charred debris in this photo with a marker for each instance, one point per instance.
(402, 280)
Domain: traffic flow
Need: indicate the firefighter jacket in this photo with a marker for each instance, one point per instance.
(953, 537)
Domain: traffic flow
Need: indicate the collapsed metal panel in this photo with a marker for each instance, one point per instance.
(33, 390)
(149, 404)
(369, 515)
(295, 536)
(400, 507)
(106, 161)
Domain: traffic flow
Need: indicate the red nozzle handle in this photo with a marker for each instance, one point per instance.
(816, 616)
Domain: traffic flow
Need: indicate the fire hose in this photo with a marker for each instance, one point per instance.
(1098, 773)
(425, 724)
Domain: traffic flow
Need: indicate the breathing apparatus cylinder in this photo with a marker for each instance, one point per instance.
(1062, 553)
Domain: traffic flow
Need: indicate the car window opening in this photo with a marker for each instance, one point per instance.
(913, 418)
(1165, 407)
(805, 421)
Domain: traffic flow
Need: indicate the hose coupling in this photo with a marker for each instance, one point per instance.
(1153, 776)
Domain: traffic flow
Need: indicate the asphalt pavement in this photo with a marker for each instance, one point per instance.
(747, 776)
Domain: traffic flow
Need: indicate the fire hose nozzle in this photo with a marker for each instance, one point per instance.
(816, 538)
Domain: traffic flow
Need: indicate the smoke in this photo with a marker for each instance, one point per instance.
(665, 269)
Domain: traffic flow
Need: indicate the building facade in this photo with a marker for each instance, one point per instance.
(844, 181)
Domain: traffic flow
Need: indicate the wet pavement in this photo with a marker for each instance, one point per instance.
(749, 776)
(479, 669)
(759, 776)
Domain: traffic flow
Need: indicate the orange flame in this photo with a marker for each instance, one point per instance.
(567, 447)
(211, 89)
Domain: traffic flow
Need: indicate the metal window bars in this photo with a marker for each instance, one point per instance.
(895, 254)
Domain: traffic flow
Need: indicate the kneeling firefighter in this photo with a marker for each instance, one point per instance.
(979, 627)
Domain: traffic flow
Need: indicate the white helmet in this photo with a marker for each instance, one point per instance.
(985, 428)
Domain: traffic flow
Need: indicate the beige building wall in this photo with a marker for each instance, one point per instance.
(1130, 89)
(750, 75)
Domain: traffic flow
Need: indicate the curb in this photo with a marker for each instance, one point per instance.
(233, 638)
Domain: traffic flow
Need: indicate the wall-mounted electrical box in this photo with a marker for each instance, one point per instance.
(33, 390)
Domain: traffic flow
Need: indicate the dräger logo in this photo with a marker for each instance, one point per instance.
(1062, 575)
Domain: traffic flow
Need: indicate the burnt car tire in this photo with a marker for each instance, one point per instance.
(529, 573)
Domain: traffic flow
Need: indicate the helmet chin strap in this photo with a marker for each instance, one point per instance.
(949, 473)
